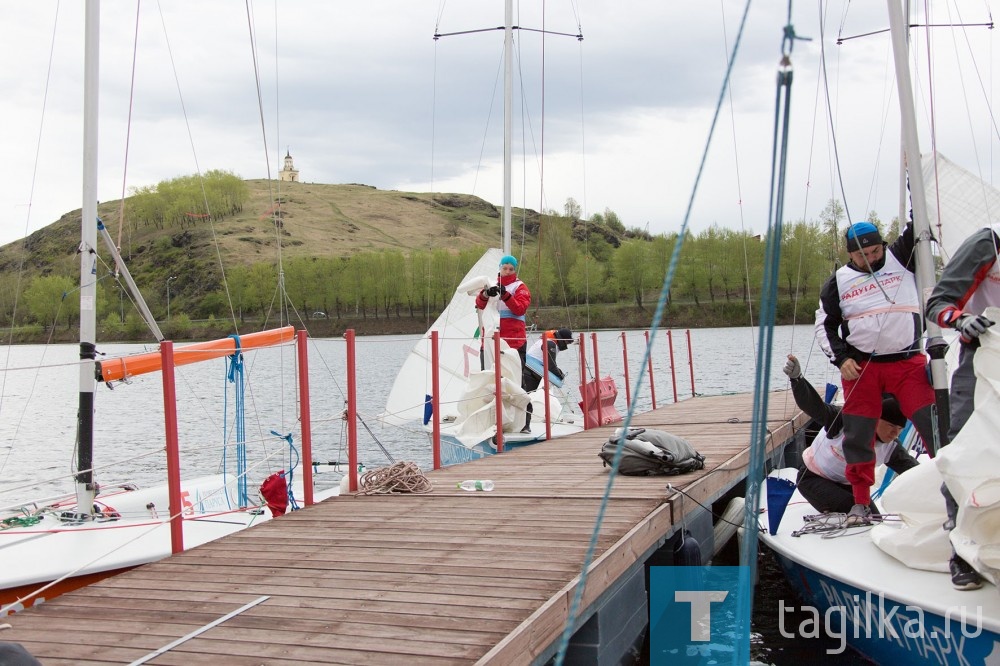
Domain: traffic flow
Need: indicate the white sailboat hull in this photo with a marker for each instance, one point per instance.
(883, 609)
(69, 555)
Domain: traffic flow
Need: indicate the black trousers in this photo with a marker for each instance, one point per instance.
(825, 495)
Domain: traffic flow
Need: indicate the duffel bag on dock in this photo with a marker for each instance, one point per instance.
(648, 452)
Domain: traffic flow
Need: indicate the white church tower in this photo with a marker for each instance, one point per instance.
(289, 173)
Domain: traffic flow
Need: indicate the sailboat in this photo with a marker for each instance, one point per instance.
(467, 386)
(887, 587)
(55, 544)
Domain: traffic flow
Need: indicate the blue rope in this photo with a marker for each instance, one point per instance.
(657, 318)
(908, 433)
(234, 375)
(768, 308)
(290, 474)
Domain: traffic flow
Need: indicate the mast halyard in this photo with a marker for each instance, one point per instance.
(508, 93)
(918, 201)
(85, 486)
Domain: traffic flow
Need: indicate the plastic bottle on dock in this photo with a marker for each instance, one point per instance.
(473, 485)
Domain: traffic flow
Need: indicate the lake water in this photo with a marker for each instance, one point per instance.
(38, 403)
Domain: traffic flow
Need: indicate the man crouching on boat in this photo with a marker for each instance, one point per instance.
(823, 475)
(869, 325)
(553, 342)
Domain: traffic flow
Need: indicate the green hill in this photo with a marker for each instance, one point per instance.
(315, 220)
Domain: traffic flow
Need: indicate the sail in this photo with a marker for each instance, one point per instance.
(459, 346)
(968, 465)
(959, 203)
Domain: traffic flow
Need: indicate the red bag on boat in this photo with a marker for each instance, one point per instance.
(274, 490)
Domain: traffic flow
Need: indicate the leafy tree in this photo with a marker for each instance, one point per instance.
(831, 218)
(893, 232)
(801, 257)
(630, 260)
(238, 281)
(613, 221)
(573, 210)
(51, 296)
(559, 252)
(392, 275)
(874, 219)
(301, 286)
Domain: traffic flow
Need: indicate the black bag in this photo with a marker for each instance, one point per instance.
(652, 452)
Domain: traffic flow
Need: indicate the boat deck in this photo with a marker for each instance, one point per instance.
(444, 577)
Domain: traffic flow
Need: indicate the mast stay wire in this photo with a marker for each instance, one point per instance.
(759, 436)
(739, 188)
(654, 328)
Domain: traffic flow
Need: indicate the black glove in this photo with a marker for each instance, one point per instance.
(504, 293)
(493, 291)
(972, 326)
(792, 368)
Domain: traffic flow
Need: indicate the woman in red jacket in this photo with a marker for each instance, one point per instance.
(514, 300)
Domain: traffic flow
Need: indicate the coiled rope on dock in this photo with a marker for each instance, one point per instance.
(401, 477)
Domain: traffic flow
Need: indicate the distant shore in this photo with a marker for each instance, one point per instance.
(579, 318)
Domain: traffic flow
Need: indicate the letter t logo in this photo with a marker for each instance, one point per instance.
(701, 610)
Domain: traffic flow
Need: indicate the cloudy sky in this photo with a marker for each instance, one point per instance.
(360, 92)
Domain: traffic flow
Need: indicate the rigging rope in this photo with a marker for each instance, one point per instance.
(401, 477)
(292, 464)
(657, 318)
(768, 307)
(234, 375)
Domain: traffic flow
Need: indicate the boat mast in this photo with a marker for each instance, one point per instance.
(508, 93)
(85, 487)
(918, 201)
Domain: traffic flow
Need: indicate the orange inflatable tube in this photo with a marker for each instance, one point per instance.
(130, 366)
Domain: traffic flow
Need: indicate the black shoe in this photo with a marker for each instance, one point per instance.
(963, 576)
(526, 430)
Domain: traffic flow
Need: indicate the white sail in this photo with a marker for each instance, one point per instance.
(460, 343)
(959, 203)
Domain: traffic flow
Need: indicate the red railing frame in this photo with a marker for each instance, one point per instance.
(305, 415)
(173, 448)
(352, 412)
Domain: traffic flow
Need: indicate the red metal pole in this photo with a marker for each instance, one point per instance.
(498, 396)
(545, 386)
(583, 383)
(173, 450)
(597, 385)
(691, 361)
(435, 401)
(352, 413)
(649, 364)
(628, 386)
(673, 370)
(305, 415)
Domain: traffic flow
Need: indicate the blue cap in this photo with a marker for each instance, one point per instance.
(862, 234)
(508, 259)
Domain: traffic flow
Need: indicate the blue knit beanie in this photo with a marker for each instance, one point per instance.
(862, 234)
(508, 259)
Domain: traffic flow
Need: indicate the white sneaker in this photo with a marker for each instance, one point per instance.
(858, 515)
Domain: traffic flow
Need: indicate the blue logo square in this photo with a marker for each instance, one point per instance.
(694, 615)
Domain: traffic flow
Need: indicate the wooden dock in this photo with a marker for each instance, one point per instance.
(449, 577)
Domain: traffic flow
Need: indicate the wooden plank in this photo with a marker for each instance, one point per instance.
(446, 577)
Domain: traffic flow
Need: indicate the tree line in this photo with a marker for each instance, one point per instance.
(571, 265)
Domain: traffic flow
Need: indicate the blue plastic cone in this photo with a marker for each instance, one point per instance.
(428, 409)
(779, 491)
